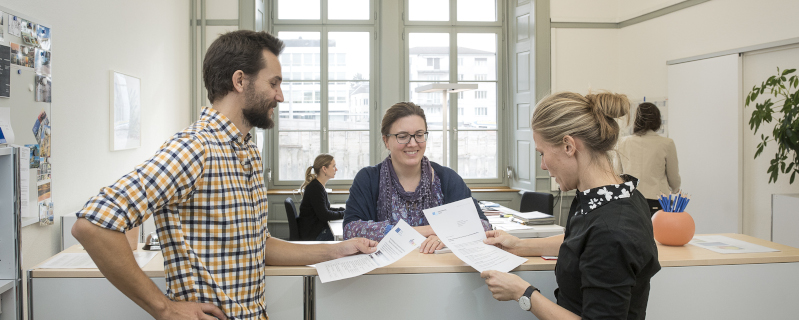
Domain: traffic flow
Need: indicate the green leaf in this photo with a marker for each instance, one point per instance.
(787, 71)
(793, 175)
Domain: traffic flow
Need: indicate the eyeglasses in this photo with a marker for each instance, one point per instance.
(405, 138)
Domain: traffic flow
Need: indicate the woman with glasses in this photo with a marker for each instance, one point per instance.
(404, 184)
(315, 210)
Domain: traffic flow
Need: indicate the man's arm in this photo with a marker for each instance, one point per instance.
(282, 253)
(111, 252)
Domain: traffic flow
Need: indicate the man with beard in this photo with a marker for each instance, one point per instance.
(206, 192)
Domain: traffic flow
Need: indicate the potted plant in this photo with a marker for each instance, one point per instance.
(783, 88)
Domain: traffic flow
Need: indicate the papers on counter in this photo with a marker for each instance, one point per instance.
(458, 225)
(722, 244)
(83, 261)
(396, 244)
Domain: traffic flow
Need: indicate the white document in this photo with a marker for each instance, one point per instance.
(722, 244)
(401, 240)
(458, 225)
(83, 261)
(5, 125)
(24, 180)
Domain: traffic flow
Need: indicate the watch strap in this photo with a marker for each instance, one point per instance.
(529, 292)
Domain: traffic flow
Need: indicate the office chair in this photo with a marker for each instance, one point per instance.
(537, 201)
(291, 216)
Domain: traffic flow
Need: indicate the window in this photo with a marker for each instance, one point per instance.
(327, 87)
(475, 44)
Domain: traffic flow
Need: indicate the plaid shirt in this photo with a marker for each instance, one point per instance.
(206, 192)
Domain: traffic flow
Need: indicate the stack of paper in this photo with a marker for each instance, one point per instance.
(530, 218)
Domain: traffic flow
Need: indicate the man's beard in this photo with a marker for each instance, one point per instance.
(256, 109)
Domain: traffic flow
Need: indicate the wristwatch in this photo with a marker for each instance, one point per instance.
(524, 300)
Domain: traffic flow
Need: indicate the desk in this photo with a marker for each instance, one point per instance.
(694, 283)
(539, 231)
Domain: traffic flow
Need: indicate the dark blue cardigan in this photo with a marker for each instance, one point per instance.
(362, 203)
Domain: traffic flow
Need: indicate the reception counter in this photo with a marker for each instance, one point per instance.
(694, 283)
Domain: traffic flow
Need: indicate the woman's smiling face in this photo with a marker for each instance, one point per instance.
(409, 154)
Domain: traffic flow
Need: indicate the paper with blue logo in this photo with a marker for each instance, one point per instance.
(458, 225)
(397, 243)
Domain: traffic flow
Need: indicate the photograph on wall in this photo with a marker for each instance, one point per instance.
(16, 53)
(43, 88)
(44, 143)
(5, 71)
(42, 62)
(43, 36)
(26, 26)
(30, 40)
(34, 156)
(37, 125)
(44, 191)
(14, 25)
(22, 55)
(125, 111)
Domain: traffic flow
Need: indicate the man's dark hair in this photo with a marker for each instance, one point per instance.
(646, 118)
(232, 51)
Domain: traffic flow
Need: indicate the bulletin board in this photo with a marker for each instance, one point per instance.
(25, 105)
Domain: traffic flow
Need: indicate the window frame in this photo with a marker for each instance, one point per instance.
(324, 26)
(501, 85)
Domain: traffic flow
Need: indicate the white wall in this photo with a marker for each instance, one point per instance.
(584, 59)
(148, 39)
(705, 28)
(643, 50)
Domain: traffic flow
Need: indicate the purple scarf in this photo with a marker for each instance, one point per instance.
(394, 203)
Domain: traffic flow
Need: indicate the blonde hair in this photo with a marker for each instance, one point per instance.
(322, 160)
(590, 118)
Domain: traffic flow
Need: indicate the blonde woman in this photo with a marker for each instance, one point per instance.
(607, 255)
(315, 210)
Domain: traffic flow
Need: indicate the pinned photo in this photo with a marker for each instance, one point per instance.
(30, 39)
(42, 62)
(14, 24)
(43, 36)
(44, 143)
(34, 148)
(22, 55)
(43, 88)
(26, 26)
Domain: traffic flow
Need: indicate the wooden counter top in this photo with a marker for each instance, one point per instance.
(416, 262)
(289, 192)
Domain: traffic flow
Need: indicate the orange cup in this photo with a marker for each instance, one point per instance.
(673, 228)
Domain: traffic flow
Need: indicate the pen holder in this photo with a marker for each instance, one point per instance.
(673, 228)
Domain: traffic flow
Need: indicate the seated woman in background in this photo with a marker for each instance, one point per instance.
(650, 157)
(608, 254)
(315, 210)
(404, 184)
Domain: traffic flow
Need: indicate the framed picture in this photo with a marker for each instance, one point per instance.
(125, 111)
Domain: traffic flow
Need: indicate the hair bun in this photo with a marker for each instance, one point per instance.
(612, 105)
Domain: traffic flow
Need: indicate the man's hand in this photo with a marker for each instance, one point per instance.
(502, 240)
(354, 246)
(431, 244)
(504, 286)
(191, 311)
